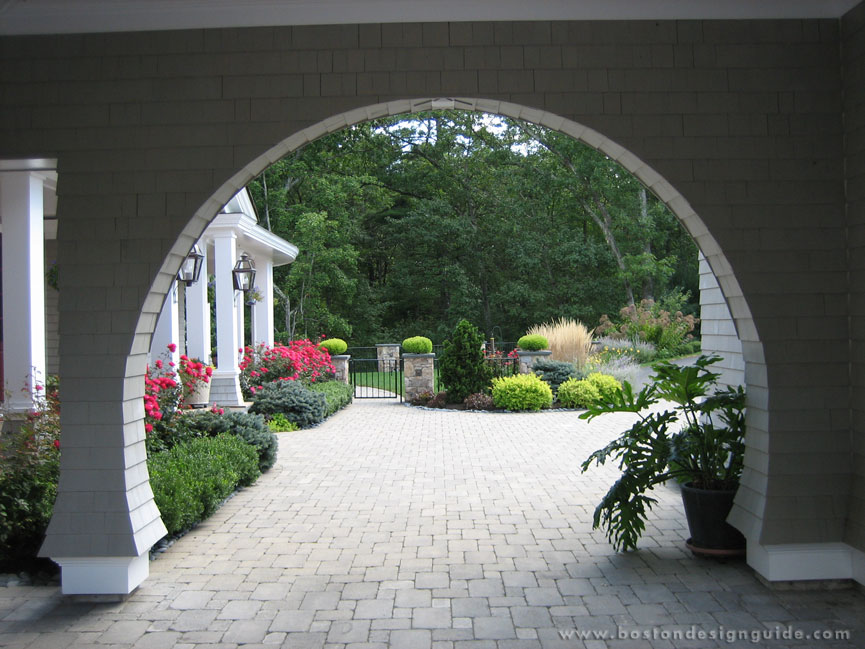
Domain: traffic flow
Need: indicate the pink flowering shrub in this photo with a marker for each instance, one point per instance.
(300, 360)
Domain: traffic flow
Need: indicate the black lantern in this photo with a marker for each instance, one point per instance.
(243, 273)
(190, 269)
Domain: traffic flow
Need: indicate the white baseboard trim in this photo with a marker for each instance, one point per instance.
(102, 575)
(807, 561)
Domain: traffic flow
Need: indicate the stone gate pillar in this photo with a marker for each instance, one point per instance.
(388, 357)
(527, 359)
(340, 364)
(418, 374)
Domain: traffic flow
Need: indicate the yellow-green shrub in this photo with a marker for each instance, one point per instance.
(522, 392)
(575, 393)
(605, 384)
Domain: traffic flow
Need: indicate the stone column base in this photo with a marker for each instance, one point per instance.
(225, 389)
(527, 359)
(102, 575)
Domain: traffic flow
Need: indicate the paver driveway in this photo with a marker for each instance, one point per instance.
(394, 526)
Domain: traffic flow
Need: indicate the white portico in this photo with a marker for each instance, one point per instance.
(186, 313)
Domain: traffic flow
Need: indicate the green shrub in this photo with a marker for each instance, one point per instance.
(479, 401)
(337, 394)
(29, 470)
(250, 428)
(532, 343)
(522, 392)
(417, 345)
(575, 393)
(554, 372)
(291, 398)
(462, 368)
(605, 384)
(279, 423)
(190, 480)
(334, 346)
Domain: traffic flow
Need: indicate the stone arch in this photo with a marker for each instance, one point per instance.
(753, 482)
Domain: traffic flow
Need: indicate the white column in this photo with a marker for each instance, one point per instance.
(198, 315)
(167, 329)
(225, 387)
(23, 287)
(240, 310)
(263, 310)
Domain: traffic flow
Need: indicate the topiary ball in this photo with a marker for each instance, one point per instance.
(533, 343)
(334, 346)
(417, 345)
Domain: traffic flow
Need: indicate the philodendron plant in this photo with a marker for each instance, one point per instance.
(698, 440)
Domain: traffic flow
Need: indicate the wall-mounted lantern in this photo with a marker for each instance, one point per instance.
(244, 274)
(190, 269)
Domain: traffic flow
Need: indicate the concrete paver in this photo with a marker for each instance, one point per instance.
(389, 526)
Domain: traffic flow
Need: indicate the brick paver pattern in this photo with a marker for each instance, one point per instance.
(391, 526)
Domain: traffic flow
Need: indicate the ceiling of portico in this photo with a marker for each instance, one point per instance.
(75, 16)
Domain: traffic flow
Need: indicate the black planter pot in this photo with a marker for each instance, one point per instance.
(711, 534)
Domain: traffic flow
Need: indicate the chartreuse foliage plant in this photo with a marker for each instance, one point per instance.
(533, 343)
(462, 368)
(191, 479)
(522, 392)
(606, 385)
(576, 393)
(279, 423)
(417, 345)
(334, 346)
(700, 440)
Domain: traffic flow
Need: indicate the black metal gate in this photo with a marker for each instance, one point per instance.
(374, 378)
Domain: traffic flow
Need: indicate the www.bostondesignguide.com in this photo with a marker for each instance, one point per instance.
(720, 633)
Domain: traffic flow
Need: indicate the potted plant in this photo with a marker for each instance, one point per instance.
(194, 376)
(698, 442)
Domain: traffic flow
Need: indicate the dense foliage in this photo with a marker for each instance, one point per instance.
(251, 428)
(554, 372)
(462, 367)
(698, 438)
(337, 394)
(190, 480)
(521, 392)
(577, 393)
(417, 345)
(532, 343)
(408, 224)
(292, 399)
(29, 469)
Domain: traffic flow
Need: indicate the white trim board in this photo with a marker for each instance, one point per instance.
(807, 561)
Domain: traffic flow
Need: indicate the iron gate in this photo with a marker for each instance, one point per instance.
(374, 378)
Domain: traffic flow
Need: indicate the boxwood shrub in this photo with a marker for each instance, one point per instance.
(334, 346)
(575, 393)
(298, 403)
(532, 343)
(336, 393)
(417, 345)
(190, 480)
(522, 392)
(249, 427)
(605, 384)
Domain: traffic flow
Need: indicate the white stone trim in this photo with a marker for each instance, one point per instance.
(807, 561)
(103, 575)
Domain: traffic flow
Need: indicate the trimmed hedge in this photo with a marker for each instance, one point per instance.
(190, 480)
(417, 345)
(522, 392)
(337, 394)
(533, 343)
(250, 428)
(334, 346)
(293, 399)
(575, 393)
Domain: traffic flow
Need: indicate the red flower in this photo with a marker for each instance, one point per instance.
(172, 347)
(56, 443)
